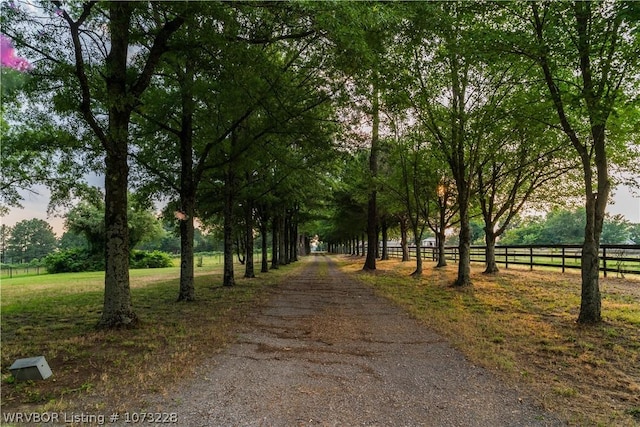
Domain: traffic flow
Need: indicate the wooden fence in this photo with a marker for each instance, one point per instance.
(9, 271)
(620, 259)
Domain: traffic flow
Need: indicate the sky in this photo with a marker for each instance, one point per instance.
(35, 206)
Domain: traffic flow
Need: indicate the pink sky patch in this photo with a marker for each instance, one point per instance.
(8, 56)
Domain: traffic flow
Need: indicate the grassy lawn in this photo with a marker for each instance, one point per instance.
(522, 325)
(54, 315)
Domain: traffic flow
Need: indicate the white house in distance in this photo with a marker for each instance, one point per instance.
(428, 242)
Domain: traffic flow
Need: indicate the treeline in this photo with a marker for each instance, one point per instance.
(561, 226)
(558, 227)
(33, 242)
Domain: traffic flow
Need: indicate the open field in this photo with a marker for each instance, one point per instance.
(25, 270)
(54, 315)
(521, 325)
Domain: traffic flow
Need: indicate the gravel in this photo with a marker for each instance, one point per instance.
(324, 350)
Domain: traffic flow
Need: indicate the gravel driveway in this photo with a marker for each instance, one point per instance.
(324, 350)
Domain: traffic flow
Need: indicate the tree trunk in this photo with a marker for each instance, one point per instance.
(187, 188)
(404, 241)
(464, 246)
(283, 241)
(372, 209)
(370, 261)
(385, 238)
(248, 221)
(293, 235)
(440, 235)
(228, 277)
(490, 240)
(295, 240)
(263, 241)
(442, 256)
(187, 288)
(590, 304)
(275, 241)
(240, 246)
(418, 239)
(117, 310)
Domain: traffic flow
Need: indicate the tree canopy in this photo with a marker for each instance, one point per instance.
(337, 120)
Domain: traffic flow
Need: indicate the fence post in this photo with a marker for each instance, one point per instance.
(604, 260)
(506, 257)
(530, 258)
(563, 259)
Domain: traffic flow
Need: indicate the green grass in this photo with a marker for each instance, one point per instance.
(16, 271)
(55, 316)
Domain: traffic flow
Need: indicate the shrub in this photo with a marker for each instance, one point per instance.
(72, 261)
(77, 259)
(154, 259)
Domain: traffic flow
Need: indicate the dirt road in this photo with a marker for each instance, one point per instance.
(324, 350)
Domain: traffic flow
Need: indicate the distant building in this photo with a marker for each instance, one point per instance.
(429, 241)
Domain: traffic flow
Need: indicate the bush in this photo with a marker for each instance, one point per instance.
(154, 259)
(76, 260)
(72, 261)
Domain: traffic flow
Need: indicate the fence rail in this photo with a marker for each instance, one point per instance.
(620, 259)
(9, 271)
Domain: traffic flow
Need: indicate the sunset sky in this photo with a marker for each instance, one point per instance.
(35, 206)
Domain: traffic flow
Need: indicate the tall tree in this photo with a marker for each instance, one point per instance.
(588, 54)
(372, 203)
(206, 71)
(447, 209)
(522, 155)
(452, 89)
(87, 218)
(414, 180)
(362, 34)
(30, 239)
(84, 50)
